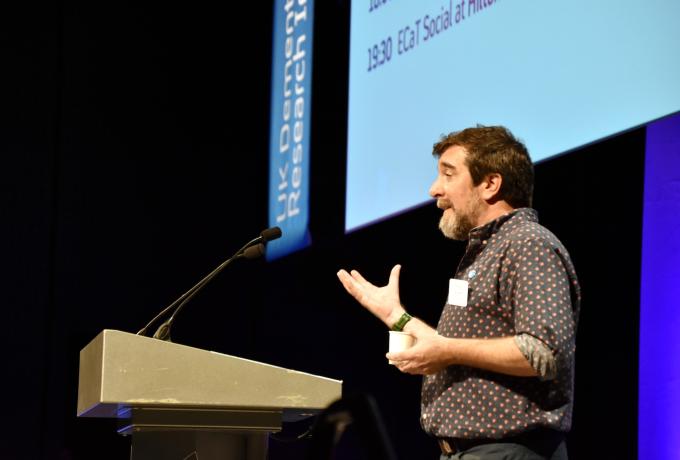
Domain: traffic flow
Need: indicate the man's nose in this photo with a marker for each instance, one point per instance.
(435, 189)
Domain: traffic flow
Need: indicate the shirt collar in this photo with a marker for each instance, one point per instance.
(486, 231)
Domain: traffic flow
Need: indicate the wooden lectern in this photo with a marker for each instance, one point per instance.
(183, 403)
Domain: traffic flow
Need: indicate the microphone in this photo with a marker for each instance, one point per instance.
(270, 234)
(266, 235)
(251, 250)
(254, 252)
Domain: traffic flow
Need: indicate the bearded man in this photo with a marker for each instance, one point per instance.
(499, 368)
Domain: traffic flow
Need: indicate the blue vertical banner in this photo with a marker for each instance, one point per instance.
(289, 136)
(659, 392)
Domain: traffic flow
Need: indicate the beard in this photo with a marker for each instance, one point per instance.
(457, 224)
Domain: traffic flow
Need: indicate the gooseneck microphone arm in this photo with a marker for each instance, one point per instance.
(163, 331)
(251, 250)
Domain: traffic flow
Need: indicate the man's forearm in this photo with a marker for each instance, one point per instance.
(501, 355)
(417, 327)
(496, 354)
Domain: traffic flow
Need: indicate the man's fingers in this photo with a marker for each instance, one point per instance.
(346, 279)
(394, 275)
(342, 274)
(361, 281)
(357, 276)
(350, 284)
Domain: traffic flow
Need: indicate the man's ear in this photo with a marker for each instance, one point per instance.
(491, 186)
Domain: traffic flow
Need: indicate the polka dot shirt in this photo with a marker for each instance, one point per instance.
(521, 280)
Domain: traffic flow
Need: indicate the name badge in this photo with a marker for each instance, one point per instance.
(458, 293)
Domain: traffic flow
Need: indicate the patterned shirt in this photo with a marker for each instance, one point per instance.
(521, 281)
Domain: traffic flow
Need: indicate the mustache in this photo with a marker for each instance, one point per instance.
(443, 203)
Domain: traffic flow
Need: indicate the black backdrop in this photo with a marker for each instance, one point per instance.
(134, 142)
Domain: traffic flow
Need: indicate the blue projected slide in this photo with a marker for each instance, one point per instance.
(559, 74)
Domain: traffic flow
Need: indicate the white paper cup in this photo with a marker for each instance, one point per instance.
(400, 341)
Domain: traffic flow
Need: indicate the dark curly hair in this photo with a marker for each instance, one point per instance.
(493, 149)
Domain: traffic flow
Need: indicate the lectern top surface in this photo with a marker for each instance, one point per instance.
(119, 369)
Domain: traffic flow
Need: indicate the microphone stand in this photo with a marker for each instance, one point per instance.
(163, 331)
(251, 250)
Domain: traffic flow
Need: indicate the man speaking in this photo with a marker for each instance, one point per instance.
(499, 368)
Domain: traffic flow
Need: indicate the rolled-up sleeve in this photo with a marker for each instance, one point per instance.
(541, 296)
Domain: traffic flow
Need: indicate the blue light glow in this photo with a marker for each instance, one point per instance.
(659, 395)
